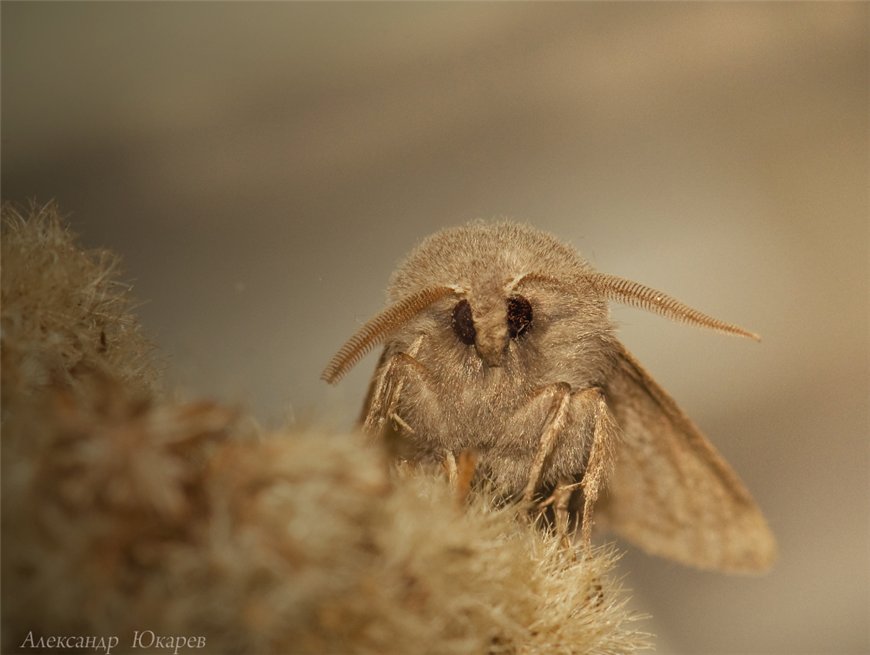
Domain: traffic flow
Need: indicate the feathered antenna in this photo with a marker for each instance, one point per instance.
(642, 297)
(374, 332)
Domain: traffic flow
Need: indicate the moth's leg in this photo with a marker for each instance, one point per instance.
(450, 467)
(466, 465)
(561, 499)
(561, 393)
(589, 403)
(422, 375)
(605, 432)
(388, 387)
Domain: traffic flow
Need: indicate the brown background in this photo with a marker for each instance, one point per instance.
(261, 168)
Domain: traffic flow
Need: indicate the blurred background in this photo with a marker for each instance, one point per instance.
(262, 168)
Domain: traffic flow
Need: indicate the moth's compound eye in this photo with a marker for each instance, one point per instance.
(463, 323)
(519, 315)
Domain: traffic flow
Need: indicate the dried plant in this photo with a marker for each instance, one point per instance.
(64, 309)
(124, 512)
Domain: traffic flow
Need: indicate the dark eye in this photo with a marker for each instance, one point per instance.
(463, 323)
(519, 315)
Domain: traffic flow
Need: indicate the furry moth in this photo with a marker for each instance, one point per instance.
(498, 342)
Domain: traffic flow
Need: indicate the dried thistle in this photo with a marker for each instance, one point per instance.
(65, 311)
(123, 511)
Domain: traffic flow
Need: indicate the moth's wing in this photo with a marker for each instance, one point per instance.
(671, 493)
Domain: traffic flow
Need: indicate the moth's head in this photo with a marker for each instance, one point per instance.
(489, 318)
(504, 285)
(496, 308)
(526, 320)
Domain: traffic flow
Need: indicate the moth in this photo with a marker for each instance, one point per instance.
(498, 342)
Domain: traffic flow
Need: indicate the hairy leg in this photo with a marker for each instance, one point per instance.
(387, 389)
(590, 404)
(398, 370)
(558, 415)
(601, 456)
